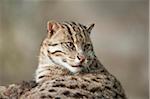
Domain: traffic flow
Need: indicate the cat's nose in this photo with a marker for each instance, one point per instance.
(81, 58)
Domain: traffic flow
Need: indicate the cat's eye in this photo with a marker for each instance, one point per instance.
(70, 45)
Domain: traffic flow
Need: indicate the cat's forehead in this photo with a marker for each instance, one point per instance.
(76, 32)
(70, 32)
(74, 27)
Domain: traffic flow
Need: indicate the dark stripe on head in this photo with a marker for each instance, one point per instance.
(82, 26)
(73, 23)
(69, 23)
(74, 26)
(69, 30)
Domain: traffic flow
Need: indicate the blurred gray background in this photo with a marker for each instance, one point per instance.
(120, 37)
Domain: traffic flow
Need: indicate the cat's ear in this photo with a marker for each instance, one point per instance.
(52, 26)
(89, 29)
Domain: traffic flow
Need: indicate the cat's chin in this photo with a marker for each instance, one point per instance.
(75, 70)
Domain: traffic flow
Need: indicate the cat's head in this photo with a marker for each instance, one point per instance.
(68, 44)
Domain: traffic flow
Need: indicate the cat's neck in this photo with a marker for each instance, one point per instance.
(48, 69)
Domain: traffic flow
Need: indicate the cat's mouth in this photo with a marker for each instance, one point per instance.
(77, 65)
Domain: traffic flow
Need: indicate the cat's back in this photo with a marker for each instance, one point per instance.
(84, 86)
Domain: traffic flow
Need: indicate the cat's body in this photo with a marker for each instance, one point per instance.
(100, 85)
(69, 69)
(67, 59)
